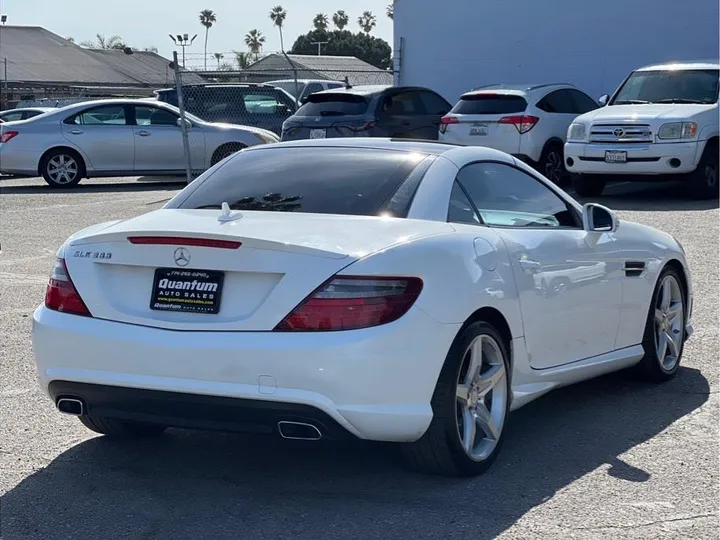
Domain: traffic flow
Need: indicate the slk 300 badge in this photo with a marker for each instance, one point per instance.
(93, 254)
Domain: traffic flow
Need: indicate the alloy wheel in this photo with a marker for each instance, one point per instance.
(669, 321)
(62, 169)
(481, 397)
(553, 167)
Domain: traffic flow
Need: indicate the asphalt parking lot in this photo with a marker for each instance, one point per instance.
(610, 458)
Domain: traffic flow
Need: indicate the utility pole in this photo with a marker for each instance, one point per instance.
(319, 43)
(3, 20)
(182, 40)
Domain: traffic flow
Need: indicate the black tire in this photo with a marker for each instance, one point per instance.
(120, 429)
(440, 449)
(224, 151)
(704, 180)
(650, 367)
(72, 174)
(586, 185)
(551, 164)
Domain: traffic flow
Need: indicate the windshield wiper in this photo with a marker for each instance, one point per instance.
(682, 100)
(631, 102)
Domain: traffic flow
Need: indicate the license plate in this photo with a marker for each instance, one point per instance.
(615, 156)
(317, 133)
(479, 129)
(187, 291)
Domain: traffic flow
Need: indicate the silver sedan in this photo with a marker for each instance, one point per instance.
(117, 137)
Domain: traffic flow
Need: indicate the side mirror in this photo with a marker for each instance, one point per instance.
(188, 124)
(598, 218)
(603, 100)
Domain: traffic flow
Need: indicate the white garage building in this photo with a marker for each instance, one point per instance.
(455, 45)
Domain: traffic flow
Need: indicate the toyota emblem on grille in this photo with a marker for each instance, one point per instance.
(182, 257)
(619, 132)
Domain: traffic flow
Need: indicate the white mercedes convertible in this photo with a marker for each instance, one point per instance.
(402, 291)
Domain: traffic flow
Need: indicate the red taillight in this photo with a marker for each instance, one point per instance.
(366, 126)
(523, 123)
(6, 136)
(61, 294)
(183, 241)
(445, 121)
(353, 302)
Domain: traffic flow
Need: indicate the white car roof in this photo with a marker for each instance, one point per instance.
(23, 109)
(517, 89)
(680, 66)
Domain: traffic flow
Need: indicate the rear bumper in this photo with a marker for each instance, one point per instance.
(18, 162)
(375, 383)
(642, 159)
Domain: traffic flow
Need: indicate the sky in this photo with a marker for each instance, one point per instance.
(145, 23)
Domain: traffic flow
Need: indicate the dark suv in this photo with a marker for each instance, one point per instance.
(368, 111)
(257, 105)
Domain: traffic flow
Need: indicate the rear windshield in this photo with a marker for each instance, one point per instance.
(333, 105)
(349, 181)
(490, 104)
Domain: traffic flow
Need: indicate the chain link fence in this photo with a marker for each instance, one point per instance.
(260, 100)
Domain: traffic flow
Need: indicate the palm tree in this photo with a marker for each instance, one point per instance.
(218, 56)
(340, 19)
(320, 22)
(255, 41)
(243, 60)
(367, 21)
(390, 11)
(113, 42)
(207, 18)
(277, 16)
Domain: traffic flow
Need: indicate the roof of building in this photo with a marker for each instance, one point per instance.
(325, 67)
(36, 55)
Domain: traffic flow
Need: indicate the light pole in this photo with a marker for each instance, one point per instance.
(182, 40)
(3, 20)
(318, 43)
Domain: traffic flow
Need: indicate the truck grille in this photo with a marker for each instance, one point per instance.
(621, 133)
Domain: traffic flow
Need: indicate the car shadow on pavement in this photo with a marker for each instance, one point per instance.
(209, 485)
(149, 183)
(642, 196)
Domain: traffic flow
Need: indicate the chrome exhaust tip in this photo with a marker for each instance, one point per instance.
(72, 406)
(298, 431)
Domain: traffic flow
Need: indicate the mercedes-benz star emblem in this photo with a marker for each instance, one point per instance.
(182, 256)
(619, 132)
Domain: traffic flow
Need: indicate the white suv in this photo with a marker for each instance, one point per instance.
(529, 122)
(661, 122)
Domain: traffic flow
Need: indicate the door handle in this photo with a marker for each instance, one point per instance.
(143, 133)
(76, 131)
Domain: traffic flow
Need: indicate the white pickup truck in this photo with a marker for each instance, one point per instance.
(661, 123)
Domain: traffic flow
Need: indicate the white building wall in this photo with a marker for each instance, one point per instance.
(455, 45)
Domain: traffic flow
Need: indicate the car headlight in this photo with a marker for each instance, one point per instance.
(577, 132)
(678, 130)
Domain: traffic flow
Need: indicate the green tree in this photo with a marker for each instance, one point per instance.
(390, 11)
(113, 42)
(340, 19)
(367, 21)
(242, 59)
(278, 16)
(370, 49)
(207, 18)
(255, 41)
(321, 22)
(218, 56)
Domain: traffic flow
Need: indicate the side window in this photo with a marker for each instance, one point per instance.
(112, 115)
(461, 209)
(261, 104)
(558, 102)
(154, 116)
(434, 104)
(13, 116)
(403, 103)
(583, 102)
(508, 197)
(334, 85)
